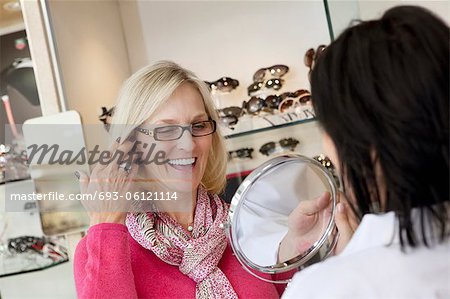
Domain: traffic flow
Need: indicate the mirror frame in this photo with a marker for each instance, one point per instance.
(301, 260)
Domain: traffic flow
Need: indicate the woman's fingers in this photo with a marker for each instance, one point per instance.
(344, 226)
(83, 180)
(119, 152)
(310, 207)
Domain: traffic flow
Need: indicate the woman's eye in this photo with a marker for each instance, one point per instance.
(166, 130)
(198, 126)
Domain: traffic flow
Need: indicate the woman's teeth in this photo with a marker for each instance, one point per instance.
(182, 162)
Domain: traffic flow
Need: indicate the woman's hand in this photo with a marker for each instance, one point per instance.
(108, 185)
(308, 221)
(346, 223)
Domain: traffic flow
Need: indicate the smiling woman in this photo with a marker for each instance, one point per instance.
(131, 253)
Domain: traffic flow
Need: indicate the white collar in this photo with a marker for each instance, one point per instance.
(375, 230)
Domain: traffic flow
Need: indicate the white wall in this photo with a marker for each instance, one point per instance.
(234, 39)
(375, 9)
(92, 53)
(343, 12)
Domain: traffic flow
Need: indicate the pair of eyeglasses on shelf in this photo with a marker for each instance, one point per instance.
(311, 57)
(241, 153)
(105, 116)
(174, 132)
(255, 105)
(274, 71)
(274, 84)
(274, 103)
(229, 116)
(326, 162)
(300, 98)
(224, 84)
(286, 144)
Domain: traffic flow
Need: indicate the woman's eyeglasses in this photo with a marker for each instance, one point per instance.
(241, 153)
(286, 144)
(274, 71)
(174, 132)
(275, 84)
(224, 84)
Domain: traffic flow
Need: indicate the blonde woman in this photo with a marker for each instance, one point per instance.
(172, 251)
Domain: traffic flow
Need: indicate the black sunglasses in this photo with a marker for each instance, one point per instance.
(241, 153)
(224, 84)
(275, 84)
(328, 165)
(274, 71)
(105, 116)
(286, 143)
(229, 116)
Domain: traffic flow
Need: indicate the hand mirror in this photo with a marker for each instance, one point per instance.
(259, 217)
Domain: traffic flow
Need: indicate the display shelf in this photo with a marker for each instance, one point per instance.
(18, 269)
(269, 128)
(307, 132)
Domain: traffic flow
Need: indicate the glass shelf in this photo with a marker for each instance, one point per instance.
(25, 263)
(263, 129)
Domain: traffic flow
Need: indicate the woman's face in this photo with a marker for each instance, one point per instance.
(187, 156)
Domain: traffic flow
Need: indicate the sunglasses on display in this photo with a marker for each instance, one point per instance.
(326, 162)
(311, 57)
(224, 84)
(228, 121)
(274, 71)
(288, 144)
(275, 84)
(174, 132)
(294, 100)
(229, 116)
(241, 153)
(105, 116)
(255, 104)
(271, 103)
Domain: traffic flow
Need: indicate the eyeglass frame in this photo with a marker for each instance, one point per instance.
(224, 84)
(269, 148)
(258, 85)
(301, 99)
(241, 153)
(277, 74)
(153, 134)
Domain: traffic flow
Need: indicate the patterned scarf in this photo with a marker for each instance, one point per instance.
(196, 256)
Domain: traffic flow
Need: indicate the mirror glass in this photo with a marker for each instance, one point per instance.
(263, 208)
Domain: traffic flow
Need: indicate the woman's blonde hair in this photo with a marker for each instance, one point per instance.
(147, 90)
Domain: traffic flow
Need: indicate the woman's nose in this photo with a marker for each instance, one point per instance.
(186, 141)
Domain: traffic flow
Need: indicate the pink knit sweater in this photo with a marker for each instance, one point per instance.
(109, 263)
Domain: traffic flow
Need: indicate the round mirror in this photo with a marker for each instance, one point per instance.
(260, 211)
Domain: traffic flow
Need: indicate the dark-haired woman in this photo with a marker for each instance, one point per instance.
(381, 94)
